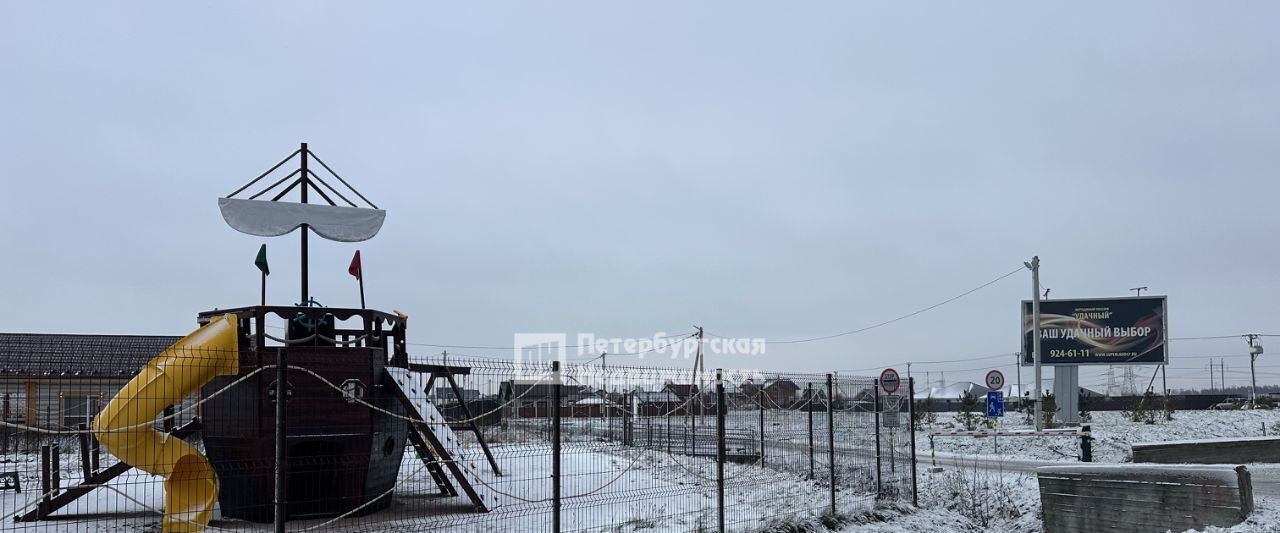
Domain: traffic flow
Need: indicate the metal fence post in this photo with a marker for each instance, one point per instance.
(720, 447)
(555, 446)
(811, 476)
(1086, 445)
(56, 466)
(911, 414)
(282, 456)
(94, 448)
(669, 408)
(4, 430)
(46, 481)
(760, 402)
(875, 413)
(831, 438)
(693, 418)
(86, 464)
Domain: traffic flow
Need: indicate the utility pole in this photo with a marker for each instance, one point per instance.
(1255, 349)
(1018, 365)
(1212, 384)
(697, 358)
(1034, 266)
(702, 365)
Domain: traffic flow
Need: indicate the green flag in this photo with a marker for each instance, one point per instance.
(261, 261)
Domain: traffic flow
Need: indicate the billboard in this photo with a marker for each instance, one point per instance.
(1098, 331)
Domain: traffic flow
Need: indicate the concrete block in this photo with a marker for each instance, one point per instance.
(1209, 451)
(1139, 498)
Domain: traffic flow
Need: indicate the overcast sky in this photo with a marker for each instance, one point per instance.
(761, 169)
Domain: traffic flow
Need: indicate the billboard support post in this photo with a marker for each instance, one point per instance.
(1066, 392)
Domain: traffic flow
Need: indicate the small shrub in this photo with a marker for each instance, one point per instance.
(1050, 409)
(1145, 411)
(968, 404)
(1085, 414)
(923, 413)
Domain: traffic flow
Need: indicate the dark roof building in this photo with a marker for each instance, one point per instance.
(60, 381)
(56, 354)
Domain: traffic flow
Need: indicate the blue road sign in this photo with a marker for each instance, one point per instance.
(995, 403)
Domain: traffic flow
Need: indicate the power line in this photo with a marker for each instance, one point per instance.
(903, 317)
(681, 336)
(678, 338)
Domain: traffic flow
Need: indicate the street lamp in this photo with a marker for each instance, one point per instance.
(1255, 349)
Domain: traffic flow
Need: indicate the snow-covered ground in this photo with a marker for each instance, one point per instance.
(606, 488)
(1010, 501)
(614, 488)
(1112, 434)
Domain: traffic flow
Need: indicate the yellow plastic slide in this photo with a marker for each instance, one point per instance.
(124, 426)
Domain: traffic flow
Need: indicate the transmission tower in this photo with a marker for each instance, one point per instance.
(1112, 386)
(1130, 387)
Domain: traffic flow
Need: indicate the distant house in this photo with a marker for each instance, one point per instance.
(780, 393)
(532, 398)
(691, 398)
(657, 403)
(443, 395)
(62, 380)
(777, 393)
(682, 390)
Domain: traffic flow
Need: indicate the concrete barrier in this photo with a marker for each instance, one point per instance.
(1157, 498)
(1210, 451)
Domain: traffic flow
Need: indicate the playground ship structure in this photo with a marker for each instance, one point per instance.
(337, 426)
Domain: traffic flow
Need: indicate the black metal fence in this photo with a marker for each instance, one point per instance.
(456, 444)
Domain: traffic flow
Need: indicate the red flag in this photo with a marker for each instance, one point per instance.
(354, 269)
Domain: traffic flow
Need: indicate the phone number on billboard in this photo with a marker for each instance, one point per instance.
(1069, 353)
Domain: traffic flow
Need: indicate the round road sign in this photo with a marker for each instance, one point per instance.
(995, 380)
(889, 380)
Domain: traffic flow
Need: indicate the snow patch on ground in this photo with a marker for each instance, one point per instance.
(1112, 434)
(1265, 519)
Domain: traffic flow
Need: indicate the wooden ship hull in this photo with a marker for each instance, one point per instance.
(342, 454)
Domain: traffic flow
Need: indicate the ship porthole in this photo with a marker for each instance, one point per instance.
(388, 447)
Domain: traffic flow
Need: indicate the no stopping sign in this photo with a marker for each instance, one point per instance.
(890, 381)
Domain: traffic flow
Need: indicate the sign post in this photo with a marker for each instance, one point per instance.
(995, 409)
(890, 381)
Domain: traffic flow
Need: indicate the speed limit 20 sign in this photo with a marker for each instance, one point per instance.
(889, 381)
(995, 380)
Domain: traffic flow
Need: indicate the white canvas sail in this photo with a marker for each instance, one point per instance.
(272, 219)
